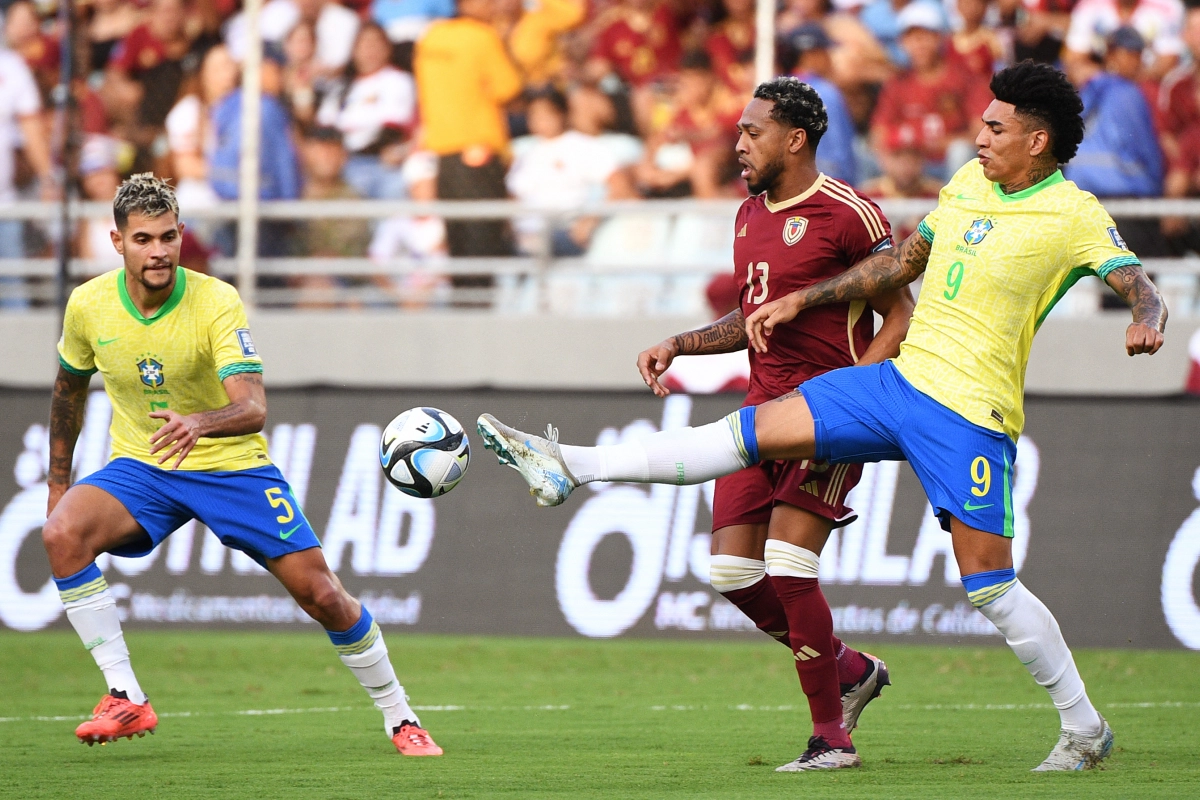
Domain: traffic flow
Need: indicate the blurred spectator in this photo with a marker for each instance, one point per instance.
(730, 45)
(302, 86)
(1178, 106)
(860, 62)
(23, 32)
(464, 79)
(334, 24)
(903, 161)
(1033, 29)
(111, 21)
(324, 159)
(1158, 21)
(835, 153)
(1124, 58)
(559, 169)
(146, 68)
(693, 152)
(639, 42)
(941, 100)
(1193, 379)
(882, 18)
(20, 128)
(532, 31)
(592, 112)
(976, 45)
(375, 114)
(1119, 155)
(99, 180)
(406, 20)
(420, 238)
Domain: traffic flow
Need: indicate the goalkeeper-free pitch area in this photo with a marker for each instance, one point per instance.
(262, 715)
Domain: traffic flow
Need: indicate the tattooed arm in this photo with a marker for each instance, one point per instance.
(1145, 333)
(723, 336)
(876, 274)
(67, 405)
(246, 413)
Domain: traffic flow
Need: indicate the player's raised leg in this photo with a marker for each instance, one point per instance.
(985, 561)
(85, 523)
(780, 429)
(358, 641)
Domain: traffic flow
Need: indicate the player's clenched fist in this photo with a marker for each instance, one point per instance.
(1142, 338)
(179, 433)
(762, 322)
(653, 362)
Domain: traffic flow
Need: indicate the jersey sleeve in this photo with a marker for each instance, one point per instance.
(232, 348)
(1097, 245)
(868, 232)
(928, 226)
(75, 353)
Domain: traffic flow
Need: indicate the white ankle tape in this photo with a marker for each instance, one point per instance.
(730, 573)
(790, 561)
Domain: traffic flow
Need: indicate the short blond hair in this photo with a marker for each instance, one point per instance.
(146, 195)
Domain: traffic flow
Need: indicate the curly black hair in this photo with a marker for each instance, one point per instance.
(1043, 94)
(797, 105)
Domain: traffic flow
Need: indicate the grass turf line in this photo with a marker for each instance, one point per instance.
(641, 719)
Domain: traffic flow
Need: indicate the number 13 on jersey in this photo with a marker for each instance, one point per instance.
(763, 270)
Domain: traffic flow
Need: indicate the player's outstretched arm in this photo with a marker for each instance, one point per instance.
(67, 406)
(723, 336)
(246, 413)
(877, 273)
(896, 308)
(1145, 333)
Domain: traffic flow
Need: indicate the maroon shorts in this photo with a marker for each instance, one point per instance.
(747, 497)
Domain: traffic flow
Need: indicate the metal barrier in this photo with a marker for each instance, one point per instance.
(652, 256)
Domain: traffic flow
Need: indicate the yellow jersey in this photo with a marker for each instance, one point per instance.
(175, 359)
(998, 265)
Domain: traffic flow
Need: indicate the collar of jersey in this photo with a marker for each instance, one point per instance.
(791, 201)
(166, 308)
(1057, 177)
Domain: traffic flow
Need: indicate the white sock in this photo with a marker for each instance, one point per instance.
(94, 617)
(1033, 634)
(730, 573)
(682, 456)
(374, 671)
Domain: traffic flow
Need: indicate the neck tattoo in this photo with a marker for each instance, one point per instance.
(1036, 174)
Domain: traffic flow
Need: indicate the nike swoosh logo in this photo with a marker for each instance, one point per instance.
(102, 341)
(284, 535)
(969, 506)
(1027, 663)
(964, 197)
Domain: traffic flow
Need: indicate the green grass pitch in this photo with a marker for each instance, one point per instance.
(264, 715)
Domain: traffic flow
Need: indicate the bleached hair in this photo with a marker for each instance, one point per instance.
(146, 195)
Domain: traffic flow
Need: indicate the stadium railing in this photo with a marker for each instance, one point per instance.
(651, 256)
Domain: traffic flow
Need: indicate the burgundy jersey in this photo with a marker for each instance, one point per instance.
(780, 248)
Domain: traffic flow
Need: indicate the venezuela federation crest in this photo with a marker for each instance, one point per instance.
(793, 230)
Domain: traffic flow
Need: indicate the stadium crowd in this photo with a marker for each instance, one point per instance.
(557, 102)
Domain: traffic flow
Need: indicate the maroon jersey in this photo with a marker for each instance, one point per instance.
(780, 248)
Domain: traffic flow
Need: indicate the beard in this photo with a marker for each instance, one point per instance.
(767, 175)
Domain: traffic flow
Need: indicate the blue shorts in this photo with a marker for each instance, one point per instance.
(872, 413)
(252, 510)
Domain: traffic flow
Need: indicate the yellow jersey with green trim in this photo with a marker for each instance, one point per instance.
(998, 265)
(175, 359)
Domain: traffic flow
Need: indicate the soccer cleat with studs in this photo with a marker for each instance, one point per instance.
(856, 696)
(413, 740)
(820, 755)
(537, 458)
(115, 717)
(1078, 751)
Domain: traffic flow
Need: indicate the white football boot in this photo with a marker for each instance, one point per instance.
(1078, 751)
(820, 755)
(537, 458)
(856, 697)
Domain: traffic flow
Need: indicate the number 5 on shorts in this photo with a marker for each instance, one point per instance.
(276, 499)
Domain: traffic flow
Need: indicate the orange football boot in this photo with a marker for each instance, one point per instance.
(115, 717)
(411, 740)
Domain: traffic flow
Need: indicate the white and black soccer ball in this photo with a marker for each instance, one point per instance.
(424, 452)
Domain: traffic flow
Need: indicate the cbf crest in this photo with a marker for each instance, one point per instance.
(151, 372)
(978, 230)
(793, 230)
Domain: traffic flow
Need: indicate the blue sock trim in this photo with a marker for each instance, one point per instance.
(749, 437)
(988, 587)
(86, 575)
(358, 631)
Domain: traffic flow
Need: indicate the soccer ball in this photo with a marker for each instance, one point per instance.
(424, 452)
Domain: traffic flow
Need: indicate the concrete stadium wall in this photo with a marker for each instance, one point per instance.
(441, 350)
